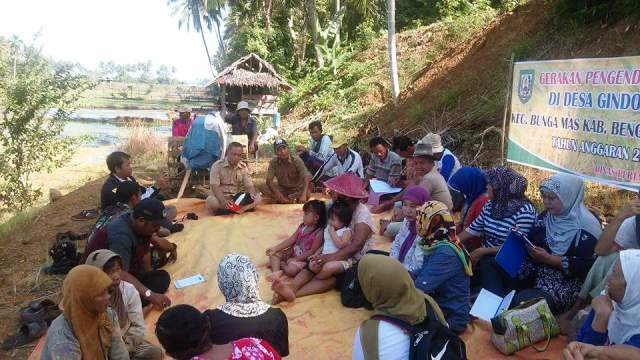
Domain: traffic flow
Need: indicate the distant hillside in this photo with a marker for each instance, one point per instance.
(454, 75)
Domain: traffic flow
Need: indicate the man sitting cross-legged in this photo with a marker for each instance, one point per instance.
(230, 179)
(292, 177)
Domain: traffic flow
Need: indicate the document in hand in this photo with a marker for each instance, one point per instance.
(379, 188)
(489, 305)
(512, 253)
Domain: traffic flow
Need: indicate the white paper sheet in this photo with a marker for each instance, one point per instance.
(382, 187)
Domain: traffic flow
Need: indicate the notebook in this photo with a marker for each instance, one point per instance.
(512, 253)
(379, 188)
(489, 305)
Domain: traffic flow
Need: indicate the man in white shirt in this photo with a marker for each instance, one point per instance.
(319, 150)
(343, 160)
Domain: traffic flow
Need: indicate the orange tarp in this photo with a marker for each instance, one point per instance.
(319, 326)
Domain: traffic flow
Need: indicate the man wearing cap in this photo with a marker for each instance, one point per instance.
(343, 160)
(293, 177)
(243, 123)
(230, 179)
(319, 149)
(180, 126)
(130, 235)
(433, 181)
(446, 163)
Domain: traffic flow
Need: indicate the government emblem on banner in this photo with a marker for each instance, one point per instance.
(525, 85)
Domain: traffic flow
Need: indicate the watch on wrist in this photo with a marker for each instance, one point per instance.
(147, 293)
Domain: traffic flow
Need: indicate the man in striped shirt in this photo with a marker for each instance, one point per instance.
(385, 165)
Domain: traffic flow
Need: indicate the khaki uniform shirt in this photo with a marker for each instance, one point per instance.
(231, 180)
(290, 173)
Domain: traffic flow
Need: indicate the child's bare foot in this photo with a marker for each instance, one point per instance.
(284, 291)
(274, 276)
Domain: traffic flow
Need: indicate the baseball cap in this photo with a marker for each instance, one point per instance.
(149, 209)
(279, 143)
(435, 141)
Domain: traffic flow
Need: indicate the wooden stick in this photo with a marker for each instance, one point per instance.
(507, 108)
(184, 184)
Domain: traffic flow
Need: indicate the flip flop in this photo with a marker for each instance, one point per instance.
(85, 215)
(25, 335)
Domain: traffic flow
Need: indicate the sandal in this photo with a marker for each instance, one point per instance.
(85, 215)
(26, 334)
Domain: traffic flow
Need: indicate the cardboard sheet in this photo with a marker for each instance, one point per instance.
(319, 326)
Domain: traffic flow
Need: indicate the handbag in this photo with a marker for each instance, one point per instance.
(523, 326)
(351, 294)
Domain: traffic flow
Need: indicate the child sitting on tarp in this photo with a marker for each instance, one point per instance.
(337, 235)
(292, 255)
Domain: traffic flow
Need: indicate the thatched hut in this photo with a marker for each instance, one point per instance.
(251, 79)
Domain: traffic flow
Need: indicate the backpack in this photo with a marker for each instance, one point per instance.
(64, 254)
(430, 340)
(351, 294)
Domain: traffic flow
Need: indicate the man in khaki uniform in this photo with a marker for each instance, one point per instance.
(292, 175)
(230, 180)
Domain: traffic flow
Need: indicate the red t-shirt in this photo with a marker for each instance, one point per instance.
(180, 128)
(474, 211)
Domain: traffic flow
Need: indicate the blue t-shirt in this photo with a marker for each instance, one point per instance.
(590, 336)
(443, 277)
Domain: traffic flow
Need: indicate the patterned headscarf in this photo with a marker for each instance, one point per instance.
(436, 228)
(564, 229)
(508, 191)
(238, 281)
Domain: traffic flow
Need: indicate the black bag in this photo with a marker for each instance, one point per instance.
(64, 254)
(351, 294)
(430, 340)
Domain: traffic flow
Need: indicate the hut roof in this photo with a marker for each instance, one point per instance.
(250, 70)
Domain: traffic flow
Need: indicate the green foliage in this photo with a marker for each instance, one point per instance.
(569, 13)
(416, 112)
(36, 100)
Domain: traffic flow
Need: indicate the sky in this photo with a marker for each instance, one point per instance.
(124, 31)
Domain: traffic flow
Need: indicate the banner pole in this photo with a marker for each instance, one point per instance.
(507, 105)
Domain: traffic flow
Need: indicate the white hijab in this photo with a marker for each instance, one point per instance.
(238, 281)
(564, 229)
(625, 318)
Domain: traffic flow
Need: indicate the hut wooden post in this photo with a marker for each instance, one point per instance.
(224, 100)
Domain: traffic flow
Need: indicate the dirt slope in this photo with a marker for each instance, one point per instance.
(463, 91)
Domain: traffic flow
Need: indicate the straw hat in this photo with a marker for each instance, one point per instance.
(347, 184)
(339, 140)
(183, 109)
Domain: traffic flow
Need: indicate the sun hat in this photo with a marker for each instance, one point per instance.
(243, 105)
(339, 140)
(279, 143)
(423, 149)
(347, 184)
(435, 141)
(183, 109)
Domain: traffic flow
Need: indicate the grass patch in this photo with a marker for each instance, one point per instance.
(14, 222)
(142, 140)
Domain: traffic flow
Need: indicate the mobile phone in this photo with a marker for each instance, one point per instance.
(192, 280)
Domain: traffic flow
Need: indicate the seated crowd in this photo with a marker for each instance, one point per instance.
(572, 262)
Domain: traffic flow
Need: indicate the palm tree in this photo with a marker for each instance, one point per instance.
(190, 13)
(214, 13)
(393, 64)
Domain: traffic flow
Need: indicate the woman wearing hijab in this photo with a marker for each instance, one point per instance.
(564, 236)
(245, 314)
(508, 207)
(404, 246)
(185, 333)
(613, 326)
(87, 327)
(389, 288)
(446, 272)
(125, 302)
(472, 184)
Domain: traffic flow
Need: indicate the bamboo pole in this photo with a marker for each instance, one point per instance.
(507, 108)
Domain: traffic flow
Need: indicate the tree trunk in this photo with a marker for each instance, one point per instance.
(268, 12)
(336, 10)
(206, 49)
(219, 37)
(393, 65)
(313, 26)
(298, 40)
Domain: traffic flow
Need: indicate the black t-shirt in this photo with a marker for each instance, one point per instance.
(272, 326)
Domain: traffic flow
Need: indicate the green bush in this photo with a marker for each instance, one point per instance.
(569, 13)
